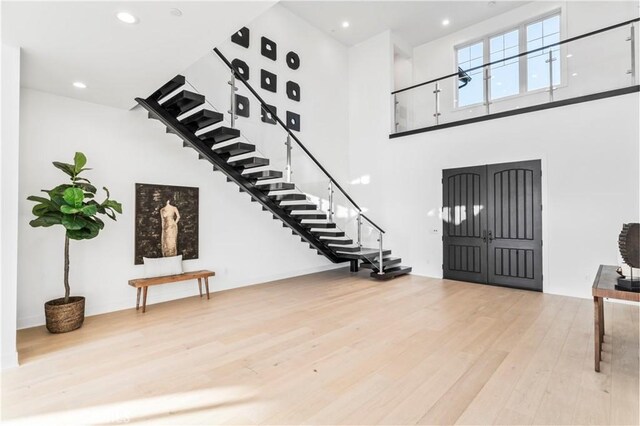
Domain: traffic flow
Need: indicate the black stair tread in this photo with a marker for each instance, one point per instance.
(365, 253)
(393, 272)
(343, 248)
(277, 186)
(320, 225)
(250, 162)
(263, 175)
(234, 149)
(168, 87)
(337, 242)
(182, 102)
(293, 207)
(309, 216)
(390, 262)
(288, 197)
(219, 135)
(202, 119)
(335, 232)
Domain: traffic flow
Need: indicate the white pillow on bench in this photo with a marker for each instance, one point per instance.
(162, 266)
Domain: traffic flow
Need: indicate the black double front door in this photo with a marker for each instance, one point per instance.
(492, 225)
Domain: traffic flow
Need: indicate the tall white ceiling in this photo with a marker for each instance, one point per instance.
(63, 42)
(416, 22)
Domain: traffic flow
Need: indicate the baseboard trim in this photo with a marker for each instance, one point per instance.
(129, 302)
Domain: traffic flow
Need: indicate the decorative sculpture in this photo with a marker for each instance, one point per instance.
(242, 106)
(293, 121)
(269, 48)
(268, 81)
(242, 68)
(269, 116)
(241, 37)
(629, 245)
(293, 91)
(293, 60)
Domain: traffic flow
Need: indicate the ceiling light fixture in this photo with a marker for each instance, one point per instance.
(79, 85)
(445, 22)
(127, 18)
(175, 12)
(345, 24)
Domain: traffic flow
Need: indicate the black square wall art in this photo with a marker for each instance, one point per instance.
(293, 121)
(293, 91)
(166, 221)
(241, 37)
(268, 81)
(242, 106)
(268, 48)
(242, 68)
(293, 60)
(269, 116)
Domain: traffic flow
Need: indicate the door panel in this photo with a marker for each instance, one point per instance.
(464, 224)
(515, 224)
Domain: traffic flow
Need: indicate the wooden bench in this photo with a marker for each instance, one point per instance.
(144, 283)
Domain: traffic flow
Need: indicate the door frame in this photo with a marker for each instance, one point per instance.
(543, 217)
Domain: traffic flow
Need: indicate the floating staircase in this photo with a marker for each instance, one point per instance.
(184, 114)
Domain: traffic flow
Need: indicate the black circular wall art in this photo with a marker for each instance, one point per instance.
(242, 68)
(293, 60)
(241, 37)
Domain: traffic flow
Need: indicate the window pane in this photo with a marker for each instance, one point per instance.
(473, 92)
(541, 34)
(505, 76)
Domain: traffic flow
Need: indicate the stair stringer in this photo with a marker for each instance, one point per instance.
(191, 140)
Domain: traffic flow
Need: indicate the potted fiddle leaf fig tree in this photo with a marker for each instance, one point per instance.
(72, 206)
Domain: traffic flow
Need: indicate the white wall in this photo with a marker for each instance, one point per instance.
(9, 106)
(323, 79)
(589, 156)
(239, 241)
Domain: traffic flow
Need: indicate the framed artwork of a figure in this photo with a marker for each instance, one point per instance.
(166, 221)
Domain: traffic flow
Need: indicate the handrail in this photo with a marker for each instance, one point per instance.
(281, 123)
(372, 223)
(568, 40)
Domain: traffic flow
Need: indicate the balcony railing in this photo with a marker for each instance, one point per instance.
(594, 65)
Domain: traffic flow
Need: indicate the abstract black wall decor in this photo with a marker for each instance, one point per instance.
(242, 67)
(268, 81)
(269, 48)
(241, 37)
(269, 116)
(293, 91)
(242, 106)
(293, 121)
(166, 221)
(293, 60)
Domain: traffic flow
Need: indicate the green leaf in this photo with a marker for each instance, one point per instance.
(38, 199)
(87, 187)
(83, 234)
(89, 210)
(47, 220)
(69, 210)
(41, 209)
(67, 168)
(113, 204)
(79, 161)
(73, 222)
(73, 197)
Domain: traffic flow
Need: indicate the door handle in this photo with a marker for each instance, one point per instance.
(484, 236)
(490, 236)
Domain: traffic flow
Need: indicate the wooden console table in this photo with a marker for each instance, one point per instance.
(604, 286)
(142, 284)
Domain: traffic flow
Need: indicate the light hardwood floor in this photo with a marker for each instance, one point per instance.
(334, 348)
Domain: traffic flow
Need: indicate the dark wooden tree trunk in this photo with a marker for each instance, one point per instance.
(67, 289)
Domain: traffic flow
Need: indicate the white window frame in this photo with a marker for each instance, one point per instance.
(522, 62)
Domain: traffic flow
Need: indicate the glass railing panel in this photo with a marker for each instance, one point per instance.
(586, 72)
(414, 108)
(547, 70)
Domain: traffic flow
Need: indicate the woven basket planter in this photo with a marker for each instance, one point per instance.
(63, 317)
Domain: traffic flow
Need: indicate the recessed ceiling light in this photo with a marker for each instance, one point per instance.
(175, 12)
(126, 17)
(345, 24)
(445, 22)
(569, 55)
(575, 74)
(79, 85)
